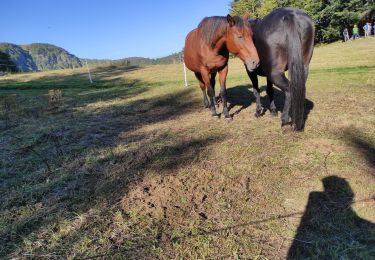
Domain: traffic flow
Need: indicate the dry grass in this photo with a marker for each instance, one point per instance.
(134, 166)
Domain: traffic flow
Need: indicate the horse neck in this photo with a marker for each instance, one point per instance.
(219, 43)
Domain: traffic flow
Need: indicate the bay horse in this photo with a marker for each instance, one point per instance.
(207, 50)
(284, 40)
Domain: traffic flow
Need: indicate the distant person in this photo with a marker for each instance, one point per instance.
(346, 34)
(366, 29)
(355, 32)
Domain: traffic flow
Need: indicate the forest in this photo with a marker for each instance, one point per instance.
(330, 16)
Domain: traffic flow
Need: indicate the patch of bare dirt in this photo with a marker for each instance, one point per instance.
(174, 198)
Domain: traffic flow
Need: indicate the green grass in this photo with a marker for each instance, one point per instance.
(133, 167)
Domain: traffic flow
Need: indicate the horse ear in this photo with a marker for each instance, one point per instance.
(247, 15)
(231, 20)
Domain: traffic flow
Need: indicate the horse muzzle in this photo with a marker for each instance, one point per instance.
(251, 65)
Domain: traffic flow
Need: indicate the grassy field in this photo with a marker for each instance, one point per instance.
(133, 167)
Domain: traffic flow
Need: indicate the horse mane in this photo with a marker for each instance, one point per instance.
(212, 27)
(253, 23)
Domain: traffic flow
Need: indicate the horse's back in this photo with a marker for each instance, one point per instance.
(272, 31)
(277, 18)
(278, 21)
(296, 19)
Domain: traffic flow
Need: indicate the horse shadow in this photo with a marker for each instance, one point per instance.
(243, 96)
(329, 227)
(239, 96)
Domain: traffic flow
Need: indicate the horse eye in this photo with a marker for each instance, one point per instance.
(240, 36)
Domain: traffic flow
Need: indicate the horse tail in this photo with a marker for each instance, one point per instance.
(297, 72)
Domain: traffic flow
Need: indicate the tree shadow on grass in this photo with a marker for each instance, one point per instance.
(99, 75)
(102, 73)
(243, 96)
(356, 138)
(109, 83)
(89, 176)
(35, 103)
(330, 229)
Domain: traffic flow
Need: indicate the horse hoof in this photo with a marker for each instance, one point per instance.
(274, 113)
(215, 117)
(258, 114)
(287, 127)
(229, 119)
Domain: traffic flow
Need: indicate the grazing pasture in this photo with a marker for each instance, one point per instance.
(133, 166)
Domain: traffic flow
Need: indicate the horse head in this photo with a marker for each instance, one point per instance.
(239, 41)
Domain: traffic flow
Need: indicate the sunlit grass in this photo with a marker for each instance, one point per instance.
(133, 167)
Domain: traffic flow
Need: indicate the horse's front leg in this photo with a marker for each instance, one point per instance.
(203, 88)
(213, 82)
(210, 93)
(223, 91)
(254, 81)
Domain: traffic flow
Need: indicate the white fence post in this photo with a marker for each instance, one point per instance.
(186, 83)
(88, 70)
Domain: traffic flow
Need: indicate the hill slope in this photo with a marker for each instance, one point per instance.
(137, 61)
(134, 167)
(38, 56)
(19, 56)
(42, 56)
(49, 57)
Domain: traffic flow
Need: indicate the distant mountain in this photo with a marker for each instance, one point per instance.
(171, 59)
(39, 56)
(136, 61)
(19, 56)
(50, 57)
(130, 61)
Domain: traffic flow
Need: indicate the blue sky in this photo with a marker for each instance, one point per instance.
(106, 29)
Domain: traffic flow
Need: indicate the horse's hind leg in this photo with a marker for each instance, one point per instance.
(254, 80)
(270, 93)
(212, 82)
(210, 92)
(223, 91)
(282, 82)
(203, 88)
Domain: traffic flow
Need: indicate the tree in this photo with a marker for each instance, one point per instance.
(336, 15)
(6, 64)
(268, 6)
(330, 16)
(240, 7)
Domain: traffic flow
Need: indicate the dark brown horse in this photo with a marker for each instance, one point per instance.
(207, 52)
(284, 40)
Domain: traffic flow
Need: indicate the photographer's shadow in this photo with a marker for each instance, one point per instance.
(330, 229)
